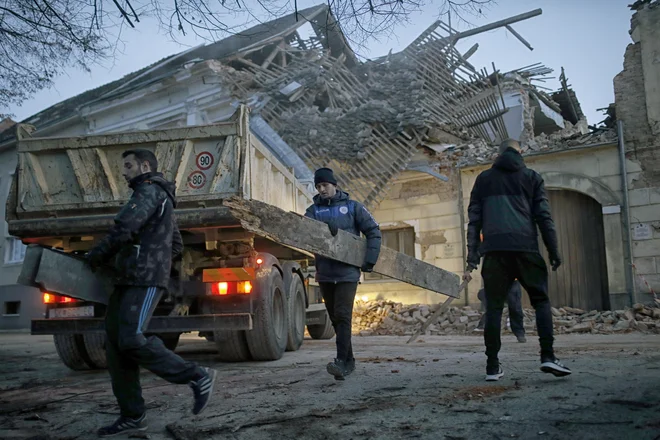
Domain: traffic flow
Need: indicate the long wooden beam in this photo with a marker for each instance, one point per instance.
(300, 232)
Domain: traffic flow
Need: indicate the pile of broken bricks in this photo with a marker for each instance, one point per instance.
(391, 318)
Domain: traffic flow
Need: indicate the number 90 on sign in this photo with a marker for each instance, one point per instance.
(204, 160)
(196, 180)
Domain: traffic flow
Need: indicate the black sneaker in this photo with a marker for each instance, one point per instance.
(203, 389)
(338, 369)
(494, 373)
(553, 366)
(124, 425)
(521, 338)
(350, 366)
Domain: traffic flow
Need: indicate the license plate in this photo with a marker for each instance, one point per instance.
(72, 312)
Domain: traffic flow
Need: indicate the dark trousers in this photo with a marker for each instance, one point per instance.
(128, 314)
(514, 302)
(499, 270)
(339, 299)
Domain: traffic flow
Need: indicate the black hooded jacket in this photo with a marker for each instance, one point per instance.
(507, 202)
(351, 216)
(145, 238)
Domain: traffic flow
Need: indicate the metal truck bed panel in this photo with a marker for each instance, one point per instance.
(73, 186)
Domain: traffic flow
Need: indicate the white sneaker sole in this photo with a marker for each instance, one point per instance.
(552, 368)
(494, 377)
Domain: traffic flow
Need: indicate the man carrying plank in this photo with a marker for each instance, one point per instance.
(338, 281)
(507, 203)
(142, 244)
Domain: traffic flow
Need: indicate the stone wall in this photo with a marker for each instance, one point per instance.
(429, 206)
(637, 98)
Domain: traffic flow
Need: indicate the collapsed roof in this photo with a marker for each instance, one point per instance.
(364, 119)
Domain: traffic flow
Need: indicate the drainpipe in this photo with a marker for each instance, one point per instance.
(461, 216)
(628, 258)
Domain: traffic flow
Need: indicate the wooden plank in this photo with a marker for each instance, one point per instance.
(137, 137)
(294, 230)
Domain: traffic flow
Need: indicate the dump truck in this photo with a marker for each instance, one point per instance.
(246, 278)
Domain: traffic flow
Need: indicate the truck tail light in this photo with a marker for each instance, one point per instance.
(50, 298)
(244, 287)
(229, 288)
(220, 288)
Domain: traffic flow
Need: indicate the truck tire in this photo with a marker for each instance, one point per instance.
(70, 349)
(296, 313)
(268, 337)
(232, 346)
(95, 350)
(322, 331)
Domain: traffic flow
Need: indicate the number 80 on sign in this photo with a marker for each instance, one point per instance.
(196, 180)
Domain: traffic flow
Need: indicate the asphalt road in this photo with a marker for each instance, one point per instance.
(431, 389)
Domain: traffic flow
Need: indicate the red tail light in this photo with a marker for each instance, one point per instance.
(50, 298)
(220, 288)
(227, 288)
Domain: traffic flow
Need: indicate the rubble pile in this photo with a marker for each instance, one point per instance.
(392, 318)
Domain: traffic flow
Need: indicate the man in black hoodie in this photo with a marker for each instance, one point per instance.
(142, 244)
(338, 281)
(507, 203)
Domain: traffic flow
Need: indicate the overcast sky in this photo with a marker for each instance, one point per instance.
(587, 37)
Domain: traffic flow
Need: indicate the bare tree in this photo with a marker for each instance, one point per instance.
(41, 38)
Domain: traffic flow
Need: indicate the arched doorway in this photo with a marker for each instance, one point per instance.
(581, 281)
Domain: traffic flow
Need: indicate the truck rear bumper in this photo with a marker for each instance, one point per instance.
(158, 324)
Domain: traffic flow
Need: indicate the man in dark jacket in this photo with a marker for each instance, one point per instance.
(507, 203)
(338, 281)
(141, 245)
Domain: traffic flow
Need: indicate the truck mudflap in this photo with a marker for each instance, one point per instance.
(157, 324)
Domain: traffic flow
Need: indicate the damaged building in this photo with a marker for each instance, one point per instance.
(407, 134)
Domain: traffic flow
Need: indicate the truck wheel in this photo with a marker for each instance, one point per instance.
(232, 346)
(296, 314)
(267, 339)
(70, 349)
(95, 350)
(322, 331)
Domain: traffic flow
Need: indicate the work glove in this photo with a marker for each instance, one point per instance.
(333, 228)
(367, 267)
(473, 259)
(555, 261)
(94, 259)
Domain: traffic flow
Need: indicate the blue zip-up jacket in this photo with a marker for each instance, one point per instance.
(350, 216)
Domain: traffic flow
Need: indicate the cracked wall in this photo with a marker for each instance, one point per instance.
(637, 99)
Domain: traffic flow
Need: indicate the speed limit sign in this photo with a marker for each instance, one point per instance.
(204, 160)
(196, 180)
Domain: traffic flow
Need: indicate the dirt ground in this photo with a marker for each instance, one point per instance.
(431, 389)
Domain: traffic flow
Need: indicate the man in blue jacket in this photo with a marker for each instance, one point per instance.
(338, 281)
(507, 203)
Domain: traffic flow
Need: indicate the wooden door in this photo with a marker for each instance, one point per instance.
(581, 281)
